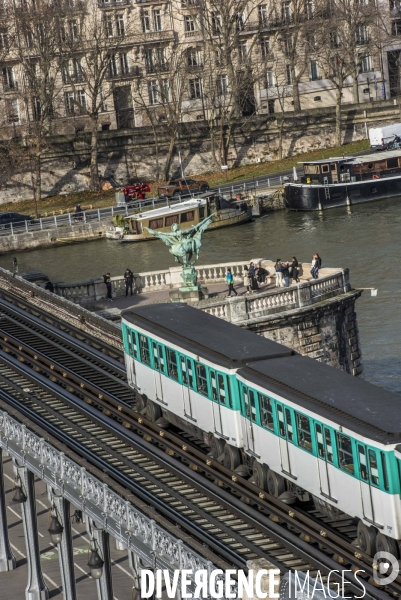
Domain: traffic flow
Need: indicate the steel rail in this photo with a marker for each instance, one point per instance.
(241, 509)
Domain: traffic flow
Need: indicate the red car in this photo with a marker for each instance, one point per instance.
(137, 191)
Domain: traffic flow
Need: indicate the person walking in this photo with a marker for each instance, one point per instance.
(316, 265)
(279, 274)
(107, 280)
(129, 278)
(285, 274)
(230, 282)
(294, 270)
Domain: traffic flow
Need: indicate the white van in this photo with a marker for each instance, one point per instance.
(380, 137)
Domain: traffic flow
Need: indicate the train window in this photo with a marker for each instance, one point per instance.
(304, 432)
(144, 346)
(252, 405)
(187, 373)
(384, 467)
(373, 468)
(214, 385)
(288, 422)
(363, 467)
(221, 388)
(320, 444)
(201, 379)
(132, 343)
(329, 447)
(281, 425)
(246, 402)
(266, 412)
(172, 367)
(345, 455)
(230, 401)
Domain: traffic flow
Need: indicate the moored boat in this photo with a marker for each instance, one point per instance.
(185, 214)
(342, 181)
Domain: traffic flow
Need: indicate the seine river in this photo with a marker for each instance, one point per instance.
(364, 238)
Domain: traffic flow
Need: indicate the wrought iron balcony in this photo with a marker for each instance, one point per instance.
(127, 74)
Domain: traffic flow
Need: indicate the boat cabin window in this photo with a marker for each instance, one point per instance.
(325, 168)
(173, 182)
(392, 163)
(311, 169)
(201, 212)
(171, 219)
(188, 216)
(333, 167)
(156, 223)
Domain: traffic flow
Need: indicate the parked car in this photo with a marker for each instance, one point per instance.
(16, 219)
(183, 187)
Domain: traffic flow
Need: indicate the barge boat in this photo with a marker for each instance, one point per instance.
(343, 181)
(185, 214)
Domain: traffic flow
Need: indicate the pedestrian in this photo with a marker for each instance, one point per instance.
(129, 278)
(252, 275)
(316, 265)
(49, 287)
(294, 269)
(230, 282)
(261, 275)
(107, 280)
(285, 274)
(279, 274)
(248, 279)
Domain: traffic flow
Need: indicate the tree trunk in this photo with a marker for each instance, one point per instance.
(338, 117)
(280, 137)
(295, 91)
(355, 89)
(169, 157)
(94, 169)
(37, 181)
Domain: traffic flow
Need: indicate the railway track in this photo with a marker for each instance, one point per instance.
(229, 514)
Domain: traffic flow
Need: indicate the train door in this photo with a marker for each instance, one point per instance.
(158, 362)
(217, 412)
(250, 418)
(325, 457)
(133, 353)
(286, 432)
(187, 383)
(369, 472)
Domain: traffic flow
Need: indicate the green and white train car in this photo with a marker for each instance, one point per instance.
(297, 425)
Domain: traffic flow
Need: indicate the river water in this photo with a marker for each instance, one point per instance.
(364, 238)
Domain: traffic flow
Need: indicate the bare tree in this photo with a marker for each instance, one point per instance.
(94, 61)
(36, 91)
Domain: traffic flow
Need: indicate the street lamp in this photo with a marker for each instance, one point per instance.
(19, 496)
(95, 562)
(56, 529)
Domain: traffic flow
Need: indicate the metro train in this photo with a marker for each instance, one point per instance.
(299, 427)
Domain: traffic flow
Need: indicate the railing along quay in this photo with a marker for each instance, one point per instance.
(169, 474)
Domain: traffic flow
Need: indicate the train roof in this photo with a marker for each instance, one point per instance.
(349, 401)
(203, 334)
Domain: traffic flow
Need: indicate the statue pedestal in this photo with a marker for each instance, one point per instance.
(189, 294)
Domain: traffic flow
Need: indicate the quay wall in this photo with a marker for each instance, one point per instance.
(316, 318)
(53, 237)
(129, 154)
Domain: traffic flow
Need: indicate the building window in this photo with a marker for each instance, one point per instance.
(288, 74)
(366, 64)
(263, 15)
(362, 36)
(264, 47)
(193, 57)
(108, 24)
(145, 19)
(120, 25)
(222, 84)
(81, 99)
(69, 102)
(13, 110)
(195, 89)
(124, 65)
(165, 90)
(153, 92)
(314, 70)
(309, 9)
(189, 23)
(113, 65)
(270, 79)
(396, 27)
(36, 109)
(240, 22)
(3, 40)
(243, 50)
(216, 23)
(74, 29)
(8, 78)
(286, 12)
(157, 20)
